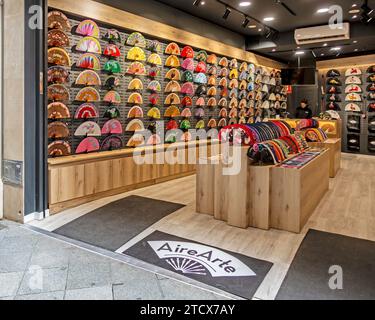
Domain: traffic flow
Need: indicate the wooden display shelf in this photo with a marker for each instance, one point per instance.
(295, 193)
(79, 179)
(334, 148)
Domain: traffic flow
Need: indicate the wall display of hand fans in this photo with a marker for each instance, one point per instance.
(105, 85)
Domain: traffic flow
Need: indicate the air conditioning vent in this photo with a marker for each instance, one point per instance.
(322, 34)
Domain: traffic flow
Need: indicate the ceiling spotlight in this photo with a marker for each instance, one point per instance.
(244, 4)
(246, 22)
(267, 19)
(323, 10)
(300, 53)
(273, 50)
(354, 11)
(227, 13)
(355, 41)
(335, 49)
(354, 17)
(252, 26)
(197, 3)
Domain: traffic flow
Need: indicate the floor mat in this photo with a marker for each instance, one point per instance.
(113, 225)
(228, 271)
(310, 277)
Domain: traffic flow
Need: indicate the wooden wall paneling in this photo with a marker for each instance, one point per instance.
(359, 61)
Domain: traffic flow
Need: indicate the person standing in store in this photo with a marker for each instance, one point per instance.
(304, 111)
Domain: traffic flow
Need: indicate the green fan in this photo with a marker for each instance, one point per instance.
(187, 76)
(112, 66)
(185, 125)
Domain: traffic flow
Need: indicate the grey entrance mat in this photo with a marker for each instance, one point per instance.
(113, 225)
(2, 227)
(309, 276)
(228, 271)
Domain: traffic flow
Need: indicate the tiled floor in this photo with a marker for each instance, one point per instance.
(34, 266)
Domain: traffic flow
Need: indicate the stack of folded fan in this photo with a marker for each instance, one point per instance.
(312, 132)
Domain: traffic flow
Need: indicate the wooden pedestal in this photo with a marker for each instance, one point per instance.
(334, 148)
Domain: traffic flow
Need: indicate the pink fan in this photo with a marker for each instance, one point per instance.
(112, 127)
(200, 102)
(188, 64)
(88, 144)
(187, 88)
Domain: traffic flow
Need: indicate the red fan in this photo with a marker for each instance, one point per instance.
(187, 102)
(154, 99)
(201, 67)
(86, 111)
(112, 50)
(172, 125)
(187, 52)
(89, 144)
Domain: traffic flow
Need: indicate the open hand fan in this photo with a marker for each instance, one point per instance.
(201, 56)
(187, 88)
(135, 112)
(135, 84)
(223, 113)
(201, 90)
(212, 81)
(154, 140)
(154, 86)
(155, 59)
(111, 50)
(136, 39)
(90, 45)
(224, 72)
(244, 67)
(212, 70)
(233, 113)
(112, 97)
(112, 113)
(187, 102)
(242, 94)
(212, 124)
(59, 56)
(212, 92)
(154, 113)
(173, 74)
(233, 103)
(173, 62)
(58, 20)
(199, 113)
(136, 54)
(243, 85)
(188, 64)
(223, 62)
(201, 67)
(172, 112)
(136, 140)
(88, 61)
(354, 88)
(233, 84)
(86, 111)
(186, 113)
(58, 75)
(212, 59)
(233, 64)
(135, 98)
(58, 110)
(112, 35)
(135, 125)
(88, 78)
(353, 107)
(200, 102)
(172, 86)
(222, 123)
(187, 52)
(371, 78)
(223, 83)
(112, 82)
(58, 130)
(353, 72)
(173, 49)
(200, 125)
(59, 149)
(212, 103)
(172, 125)
(233, 74)
(155, 46)
(185, 125)
(88, 129)
(88, 94)
(172, 99)
(187, 76)
(136, 68)
(200, 78)
(154, 99)
(58, 92)
(353, 97)
(353, 80)
(89, 144)
(58, 38)
(154, 72)
(112, 143)
(88, 28)
(112, 126)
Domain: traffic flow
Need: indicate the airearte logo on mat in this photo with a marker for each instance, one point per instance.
(193, 258)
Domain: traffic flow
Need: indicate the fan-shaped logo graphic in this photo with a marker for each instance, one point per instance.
(197, 259)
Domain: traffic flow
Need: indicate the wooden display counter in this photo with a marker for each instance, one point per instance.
(334, 148)
(79, 179)
(263, 197)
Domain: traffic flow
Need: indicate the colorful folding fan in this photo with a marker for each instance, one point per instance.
(154, 86)
(233, 74)
(244, 66)
(223, 62)
(186, 113)
(59, 149)
(155, 59)
(112, 142)
(188, 64)
(88, 61)
(172, 86)
(212, 59)
(88, 129)
(233, 64)
(212, 102)
(201, 90)
(58, 130)
(112, 82)
(212, 70)
(154, 99)
(154, 72)
(135, 98)
(135, 125)
(112, 35)
(172, 99)
(172, 112)
(136, 140)
(201, 56)
(223, 83)
(172, 125)
(173, 74)
(353, 107)
(112, 113)
(88, 78)
(112, 126)
(58, 75)
(172, 61)
(224, 72)
(353, 72)
(111, 50)
(187, 102)
(353, 80)
(58, 20)
(155, 46)
(353, 97)
(173, 49)
(154, 140)
(88, 28)
(58, 92)
(354, 88)
(154, 113)
(222, 123)
(212, 81)
(200, 102)
(185, 125)
(135, 112)
(88, 94)
(233, 84)
(112, 97)
(200, 78)
(90, 45)
(58, 110)
(136, 68)
(136, 54)
(187, 88)
(212, 124)
(58, 38)
(200, 125)
(136, 39)
(59, 56)
(135, 84)
(187, 52)
(223, 113)
(89, 144)
(212, 92)
(187, 76)
(201, 67)
(87, 111)
(233, 113)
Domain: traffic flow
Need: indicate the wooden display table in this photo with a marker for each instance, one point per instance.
(334, 147)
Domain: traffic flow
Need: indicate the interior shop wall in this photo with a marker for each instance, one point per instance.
(165, 14)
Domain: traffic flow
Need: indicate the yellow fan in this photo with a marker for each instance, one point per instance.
(154, 113)
(212, 92)
(172, 99)
(155, 59)
(172, 86)
(212, 81)
(173, 61)
(136, 140)
(233, 74)
(135, 84)
(136, 54)
(135, 98)
(173, 74)
(172, 112)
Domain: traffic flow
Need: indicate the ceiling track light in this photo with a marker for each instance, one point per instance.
(227, 13)
(246, 22)
(197, 3)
